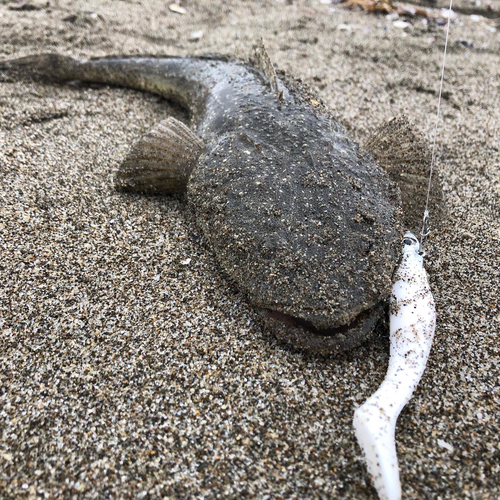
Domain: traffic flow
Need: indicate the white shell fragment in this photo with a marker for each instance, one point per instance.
(412, 325)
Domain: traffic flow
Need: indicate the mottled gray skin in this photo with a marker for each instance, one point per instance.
(304, 223)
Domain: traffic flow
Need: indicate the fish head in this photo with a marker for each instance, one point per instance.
(309, 234)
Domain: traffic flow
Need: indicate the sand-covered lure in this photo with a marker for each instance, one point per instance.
(412, 325)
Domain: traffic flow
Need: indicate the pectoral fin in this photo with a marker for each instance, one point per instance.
(400, 149)
(397, 142)
(161, 161)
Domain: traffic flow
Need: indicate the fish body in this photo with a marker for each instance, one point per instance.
(301, 220)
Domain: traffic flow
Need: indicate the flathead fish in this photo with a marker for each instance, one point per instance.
(303, 221)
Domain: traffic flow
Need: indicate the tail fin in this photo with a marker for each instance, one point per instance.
(52, 67)
(183, 80)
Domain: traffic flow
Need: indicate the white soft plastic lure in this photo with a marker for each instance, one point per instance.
(412, 325)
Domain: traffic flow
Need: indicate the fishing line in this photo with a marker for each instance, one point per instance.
(424, 231)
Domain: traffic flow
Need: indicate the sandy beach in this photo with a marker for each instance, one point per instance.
(130, 367)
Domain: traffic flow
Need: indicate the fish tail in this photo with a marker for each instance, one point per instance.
(174, 78)
(52, 67)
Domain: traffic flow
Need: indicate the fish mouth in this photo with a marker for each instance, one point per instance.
(303, 334)
(288, 319)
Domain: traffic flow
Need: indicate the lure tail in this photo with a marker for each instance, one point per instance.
(412, 325)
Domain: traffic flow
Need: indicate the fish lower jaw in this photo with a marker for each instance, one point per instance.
(302, 333)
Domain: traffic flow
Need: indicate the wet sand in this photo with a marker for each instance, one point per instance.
(127, 371)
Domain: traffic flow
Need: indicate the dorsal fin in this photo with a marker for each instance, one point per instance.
(263, 63)
(161, 161)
